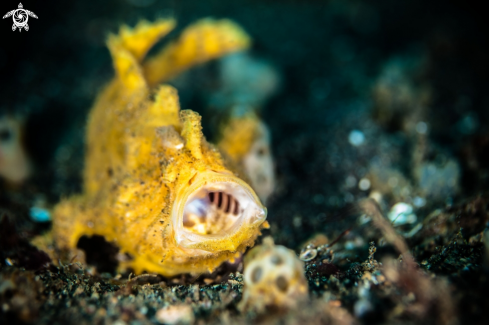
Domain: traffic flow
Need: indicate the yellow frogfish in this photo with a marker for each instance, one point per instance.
(153, 185)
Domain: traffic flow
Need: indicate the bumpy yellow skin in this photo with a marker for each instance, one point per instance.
(142, 151)
(238, 135)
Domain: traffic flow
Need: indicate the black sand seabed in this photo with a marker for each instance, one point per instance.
(429, 61)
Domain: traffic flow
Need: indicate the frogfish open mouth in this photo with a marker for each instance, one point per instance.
(153, 185)
(214, 206)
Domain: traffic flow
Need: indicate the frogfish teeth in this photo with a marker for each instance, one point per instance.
(152, 184)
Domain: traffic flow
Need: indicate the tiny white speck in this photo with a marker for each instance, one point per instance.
(376, 196)
(297, 221)
(349, 245)
(179, 146)
(356, 138)
(363, 219)
(364, 184)
(402, 213)
(419, 202)
(421, 127)
(350, 181)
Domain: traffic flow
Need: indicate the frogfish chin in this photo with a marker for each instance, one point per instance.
(153, 185)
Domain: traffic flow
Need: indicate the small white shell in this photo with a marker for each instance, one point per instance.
(308, 255)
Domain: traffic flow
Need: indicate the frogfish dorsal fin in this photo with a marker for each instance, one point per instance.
(192, 132)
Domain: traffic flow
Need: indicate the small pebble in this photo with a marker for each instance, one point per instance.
(419, 202)
(181, 314)
(308, 255)
(421, 127)
(362, 307)
(350, 181)
(364, 184)
(401, 214)
(39, 215)
(356, 138)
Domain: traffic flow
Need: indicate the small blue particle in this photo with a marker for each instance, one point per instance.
(419, 202)
(40, 215)
(356, 138)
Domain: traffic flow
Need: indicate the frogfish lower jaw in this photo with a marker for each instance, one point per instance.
(214, 212)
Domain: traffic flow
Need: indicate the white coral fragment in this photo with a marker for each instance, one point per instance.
(273, 278)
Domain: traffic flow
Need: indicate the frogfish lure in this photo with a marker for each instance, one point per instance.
(153, 185)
